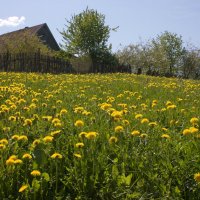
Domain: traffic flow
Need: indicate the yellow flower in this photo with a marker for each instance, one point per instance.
(27, 156)
(36, 142)
(113, 139)
(119, 129)
(144, 120)
(55, 121)
(135, 133)
(143, 135)
(27, 122)
(79, 123)
(2, 146)
(116, 114)
(166, 136)
(48, 139)
(171, 107)
(63, 111)
(12, 118)
(186, 131)
(125, 122)
(54, 133)
(79, 145)
(22, 188)
(91, 135)
(56, 155)
(15, 137)
(138, 116)
(4, 141)
(23, 137)
(10, 162)
(77, 155)
(153, 124)
(194, 120)
(35, 173)
(82, 134)
(197, 177)
(193, 130)
(18, 161)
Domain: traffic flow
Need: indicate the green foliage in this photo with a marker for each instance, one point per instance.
(87, 34)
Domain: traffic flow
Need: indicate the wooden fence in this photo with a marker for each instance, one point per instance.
(33, 62)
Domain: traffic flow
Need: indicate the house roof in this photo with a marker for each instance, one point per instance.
(41, 30)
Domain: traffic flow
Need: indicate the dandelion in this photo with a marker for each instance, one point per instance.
(119, 129)
(144, 120)
(23, 137)
(91, 135)
(35, 173)
(152, 124)
(36, 142)
(10, 162)
(165, 136)
(15, 137)
(125, 122)
(197, 177)
(56, 155)
(79, 145)
(4, 141)
(194, 120)
(63, 111)
(82, 134)
(27, 156)
(79, 123)
(135, 133)
(193, 130)
(23, 188)
(2, 146)
(112, 139)
(186, 131)
(138, 116)
(54, 133)
(77, 155)
(18, 161)
(27, 122)
(48, 139)
(171, 107)
(143, 135)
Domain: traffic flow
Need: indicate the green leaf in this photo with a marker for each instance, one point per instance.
(115, 172)
(46, 176)
(35, 185)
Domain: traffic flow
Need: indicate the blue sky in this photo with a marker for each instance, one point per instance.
(138, 20)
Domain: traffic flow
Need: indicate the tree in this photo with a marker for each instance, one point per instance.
(171, 47)
(23, 42)
(86, 34)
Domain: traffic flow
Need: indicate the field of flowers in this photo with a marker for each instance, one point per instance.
(112, 136)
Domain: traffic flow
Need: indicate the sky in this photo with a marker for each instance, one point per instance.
(138, 20)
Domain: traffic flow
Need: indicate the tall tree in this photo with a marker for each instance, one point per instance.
(86, 34)
(171, 45)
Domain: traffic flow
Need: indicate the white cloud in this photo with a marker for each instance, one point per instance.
(12, 21)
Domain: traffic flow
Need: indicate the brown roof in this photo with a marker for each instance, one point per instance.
(31, 30)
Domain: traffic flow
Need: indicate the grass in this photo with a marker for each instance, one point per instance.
(110, 136)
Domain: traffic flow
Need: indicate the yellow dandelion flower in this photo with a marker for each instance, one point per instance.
(27, 122)
(15, 137)
(54, 133)
(186, 131)
(56, 155)
(112, 139)
(194, 120)
(197, 177)
(12, 118)
(125, 122)
(79, 123)
(143, 135)
(153, 124)
(166, 136)
(2, 146)
(91, 135)
(164, 129)
(119, 129)
(171, 107)
(27, 156)
(23, 188)
(10, 162)
(48, 139)
(63, 111)
(135, 133)
(116, 114)
(18, 161)
(82, 134)
(4, 141)
(138, 116)
(77, 155)
(55, 121)
(79, 145)
(35, 173)
(23, 137)
(36, 142)
(144, 120)
(193, 130)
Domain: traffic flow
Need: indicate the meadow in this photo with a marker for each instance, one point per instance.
(99, 136)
